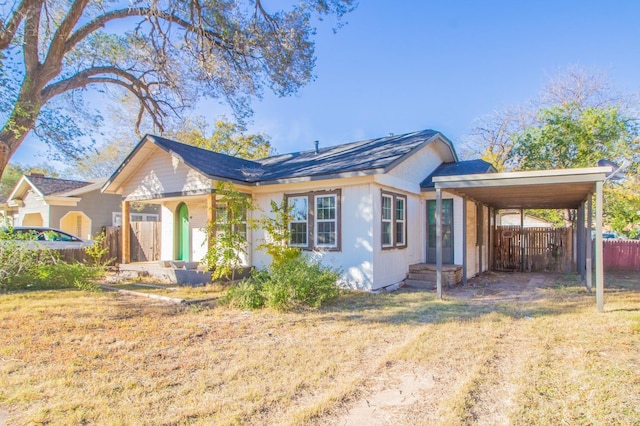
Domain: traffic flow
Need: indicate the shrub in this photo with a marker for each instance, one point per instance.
(290, 284)
(300, 282)
(245, 295)
(23, 267)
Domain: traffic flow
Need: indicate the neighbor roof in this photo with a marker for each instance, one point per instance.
(50, 186)
(363, 157)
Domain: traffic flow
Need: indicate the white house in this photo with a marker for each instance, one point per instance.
(365, 207)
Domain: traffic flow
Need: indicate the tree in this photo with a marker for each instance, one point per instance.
(227, 138)
(228, 234)
(166, 54)
(577, 120)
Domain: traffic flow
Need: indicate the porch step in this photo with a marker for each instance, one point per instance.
(420, 284)
(424, 275)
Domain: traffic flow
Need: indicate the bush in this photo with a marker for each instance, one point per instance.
(245, 295)
(23, 267)
(288, 285)
(58, 275)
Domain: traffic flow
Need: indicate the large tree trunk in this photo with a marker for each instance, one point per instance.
(20, 123)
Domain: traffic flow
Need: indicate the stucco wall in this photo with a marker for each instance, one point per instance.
(95, 205)
(33, 204)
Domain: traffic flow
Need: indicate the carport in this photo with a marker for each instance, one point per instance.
(546, 189)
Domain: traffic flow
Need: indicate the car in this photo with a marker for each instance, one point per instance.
(40, 236)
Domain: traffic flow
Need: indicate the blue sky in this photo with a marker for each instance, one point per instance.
(401, 66)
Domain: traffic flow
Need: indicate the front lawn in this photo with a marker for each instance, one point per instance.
(69, 357)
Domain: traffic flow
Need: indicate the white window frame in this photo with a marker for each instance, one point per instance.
(402, 221)
(334, 221)
(386, 221)
(393, 220)
(305, 221)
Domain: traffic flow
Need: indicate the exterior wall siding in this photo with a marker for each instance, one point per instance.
(422, 163)
(162, 174)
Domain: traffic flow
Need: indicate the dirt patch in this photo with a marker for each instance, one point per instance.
(402, 394)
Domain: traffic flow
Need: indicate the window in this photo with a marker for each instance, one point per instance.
(298, 227)
(315, 221)
(326, 221)
(393, 220)
(223, 218)
(134, 217)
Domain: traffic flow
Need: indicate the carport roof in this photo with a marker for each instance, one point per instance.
(542, 189)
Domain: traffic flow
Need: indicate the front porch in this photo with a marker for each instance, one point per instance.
(171, 272)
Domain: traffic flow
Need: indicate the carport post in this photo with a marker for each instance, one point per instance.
(599, 261)
(589, 244)
(438, 215)
(126, 236)
(464, 241)
(580, 242)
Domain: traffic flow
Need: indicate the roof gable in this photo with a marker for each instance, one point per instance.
(45, 186)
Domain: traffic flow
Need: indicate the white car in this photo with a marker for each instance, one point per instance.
(39, 236)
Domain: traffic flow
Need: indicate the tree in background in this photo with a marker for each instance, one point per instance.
(578, 120)
(166, 54)
(227, 138)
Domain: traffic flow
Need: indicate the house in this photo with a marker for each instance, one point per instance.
(76, 207)
(365, 207)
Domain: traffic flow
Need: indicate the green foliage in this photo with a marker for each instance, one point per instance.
(228, 234)
(227, 138)
(277, 235)
(14, 171)
(27, 268)
(299, 282)
(98, 252)
(247, 294)
(570, 136)
(291, 284)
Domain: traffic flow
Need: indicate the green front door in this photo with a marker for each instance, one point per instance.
(183, 233)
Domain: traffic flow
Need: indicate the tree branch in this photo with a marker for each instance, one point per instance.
(8, 32)
(31, 38)
(102, 20)
(53, 61)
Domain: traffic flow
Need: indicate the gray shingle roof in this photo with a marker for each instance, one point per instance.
(212, 164)
(459, 168)
(362, 156)
(50, 186)
(354, 157)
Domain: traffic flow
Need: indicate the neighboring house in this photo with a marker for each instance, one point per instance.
(512, 218)
(365, 207)
(76, 207)
(6, 213)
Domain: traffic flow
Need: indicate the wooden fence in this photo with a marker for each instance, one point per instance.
(621, 255)
(145, 244)
(533, 249)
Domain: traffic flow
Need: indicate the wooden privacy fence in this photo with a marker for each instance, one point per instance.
(145, 244)
(145, 241)
(621, 255)
(533, 249)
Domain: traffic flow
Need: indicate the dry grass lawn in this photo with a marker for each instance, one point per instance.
(484, 355)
